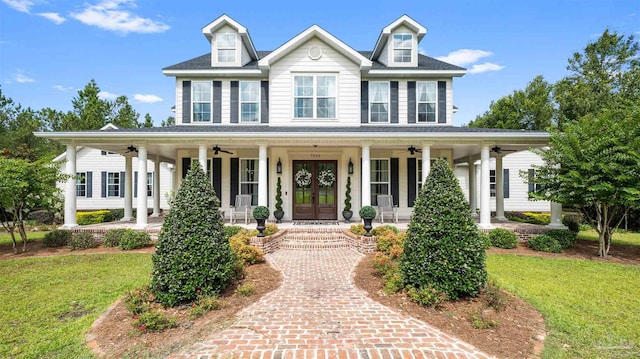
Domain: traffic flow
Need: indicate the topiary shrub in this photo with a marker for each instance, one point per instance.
(566, 238)
(503, 238)
(544, 243)
(192, 254)
(260, 212)
(367, 212)
(134, 240)
(82, 240)
(443, 252)
(113, 237)
(56, 238)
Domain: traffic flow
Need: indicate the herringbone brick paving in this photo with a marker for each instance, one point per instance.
(319, 313)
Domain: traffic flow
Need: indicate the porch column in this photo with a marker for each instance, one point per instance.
(473, 199)
(156, 187)
(128, 189)
(499, 189)
(556, 216)
(426, 162)
(263, 191)
(202, 157)
(366, 176)
(485, 208)
(141, 215)
(70, 189)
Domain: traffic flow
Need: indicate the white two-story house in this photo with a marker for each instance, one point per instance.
(313, 112)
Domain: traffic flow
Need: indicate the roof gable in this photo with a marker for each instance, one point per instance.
(404, 20)
(225, 20)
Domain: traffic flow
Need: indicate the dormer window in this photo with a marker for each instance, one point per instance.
(402, 47)
(226, 47)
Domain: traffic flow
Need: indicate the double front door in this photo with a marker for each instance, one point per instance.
(314, 184)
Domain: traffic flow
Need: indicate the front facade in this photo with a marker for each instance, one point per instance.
(315, 112)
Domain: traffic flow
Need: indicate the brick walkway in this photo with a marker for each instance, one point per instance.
(319, 313)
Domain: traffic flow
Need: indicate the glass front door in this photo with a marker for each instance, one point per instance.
(315, 190)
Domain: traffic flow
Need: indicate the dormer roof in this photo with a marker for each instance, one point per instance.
(404, 20)
(225, 20)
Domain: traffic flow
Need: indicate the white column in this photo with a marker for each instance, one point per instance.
(366, 176)
(556, 216)
(473, 199)
(128, 189)
(499, 189)
(156, 188)
(141, 215)
(70, 189)
(426, 163)
(202, 157)
(485, 208)
(263, 191)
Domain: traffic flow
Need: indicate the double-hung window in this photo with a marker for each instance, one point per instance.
(113, 184)
(492, 183)
(314, 96)
(249, 101)
(81, 184)
(249, 178)
(402, 46)
(226, 46)
(380, 179)
(379, 101)
(201, 95)
(150, 184)
(426, 100)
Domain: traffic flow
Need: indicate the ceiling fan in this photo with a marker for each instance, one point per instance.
(414, 150)
(131, 149)
(499, 150)
(217, 149)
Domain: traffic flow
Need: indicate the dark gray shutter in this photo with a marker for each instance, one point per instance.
(505, 179)
(186, 101)
(394, 102)
(442, 101)
(89, 182)
(411, 102)
(121, 186)
(264, 101)
(103, 184)
(217, 177)
(135, 184)
(186, 165)
(532, 175)
(412, 181)
(364, 102)
(235, 181)
(235, 92)
(395, 181)
(216, 113)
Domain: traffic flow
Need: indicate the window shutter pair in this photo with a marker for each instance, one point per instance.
(235, 102)
(412, 107)
(364, 102)
(216, 109)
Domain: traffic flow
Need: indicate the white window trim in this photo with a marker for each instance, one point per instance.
(388, 181)
(241, 168)
(388, 101)
(193, 102)
(117, 186)
(149, 184)
(315, 97)
(81, 180)
(418, 102)
(393, 49)
(240, 102)
(234, 48)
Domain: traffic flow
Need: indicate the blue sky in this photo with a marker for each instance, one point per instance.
(50, 49)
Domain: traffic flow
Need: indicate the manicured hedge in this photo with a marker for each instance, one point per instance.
(503, 238)
(544, 243)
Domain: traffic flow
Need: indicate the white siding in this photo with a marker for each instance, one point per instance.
(449, 101)
(298, 61)
(402, 102)
(245, 59)
(178, 104)
(383, 58)
(226, 102)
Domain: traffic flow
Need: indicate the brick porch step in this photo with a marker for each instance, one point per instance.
(314, 239)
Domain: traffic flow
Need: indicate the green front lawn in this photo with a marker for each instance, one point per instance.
(590, 307)
(628, 238)
(49, 304)
(5, 238)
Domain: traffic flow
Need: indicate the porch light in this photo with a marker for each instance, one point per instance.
(279, 167)
(350, 167)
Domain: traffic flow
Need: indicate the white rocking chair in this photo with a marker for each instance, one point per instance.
(242, 207)
(386, 208)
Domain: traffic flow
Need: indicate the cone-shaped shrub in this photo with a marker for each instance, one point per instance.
(193, 257)
(443, 250)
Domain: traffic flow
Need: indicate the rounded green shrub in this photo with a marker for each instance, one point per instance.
(82, 240)
(134, 240)
(367, 212)
(260, 212)
(443, 252)
(230, 231)
(544, 243)
(485, 239)
(56, 238)
(503, 238)
(113, 237)
(565, 237)
(192, 256)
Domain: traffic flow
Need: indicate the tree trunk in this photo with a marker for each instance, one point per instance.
(23, 235)
(601, 228)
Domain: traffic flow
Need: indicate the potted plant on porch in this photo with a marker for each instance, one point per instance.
(367, 213)
(261, 213)
(278, 213)
(347, 213)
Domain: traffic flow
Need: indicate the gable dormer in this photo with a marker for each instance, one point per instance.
(231, 45)
(397, 45)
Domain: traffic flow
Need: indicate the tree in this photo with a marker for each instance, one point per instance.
(122, 114)
(443, 251)
(171, 121)
(193, 255)
(89, 110)
(26, 186)
(528, 109)
(148, 122)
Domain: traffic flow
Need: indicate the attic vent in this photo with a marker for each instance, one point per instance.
(315, 53)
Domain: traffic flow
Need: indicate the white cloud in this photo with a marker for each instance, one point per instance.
(21, 78)
(147, 98)
(19, 5)
(53, 16)
(62, 88)
(464, 57)
(105, 95)
(111, 15)
(484, 67)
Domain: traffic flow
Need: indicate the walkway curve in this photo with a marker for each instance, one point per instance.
(319, 313)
